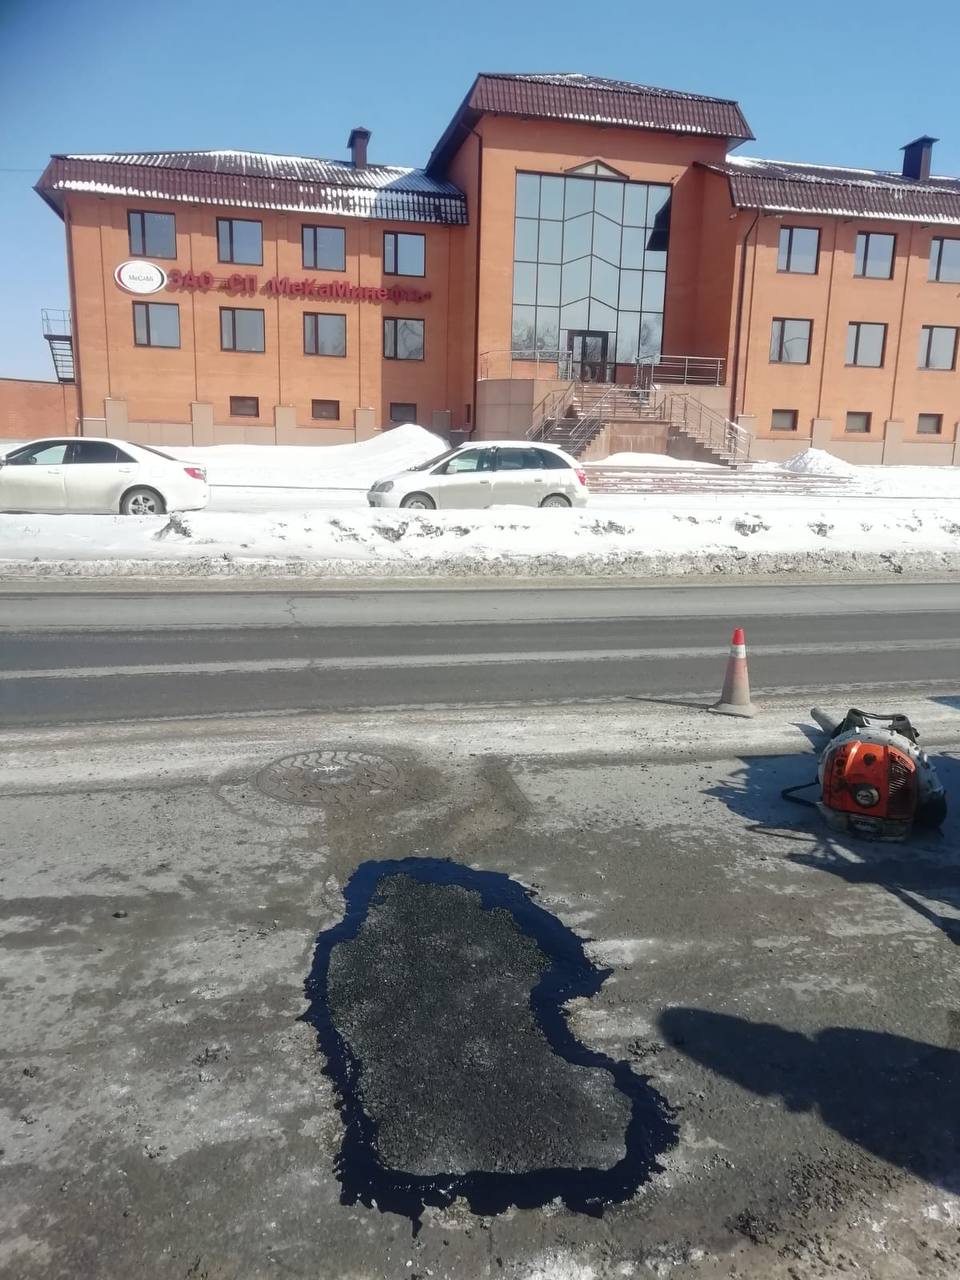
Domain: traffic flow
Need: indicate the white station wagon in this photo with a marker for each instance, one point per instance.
(85, 474)
(491, 474)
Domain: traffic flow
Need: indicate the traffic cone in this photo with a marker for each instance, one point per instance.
(735, 698)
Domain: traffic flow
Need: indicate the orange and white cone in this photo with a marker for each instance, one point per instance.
(735, 698)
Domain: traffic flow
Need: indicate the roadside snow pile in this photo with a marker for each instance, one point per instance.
(659, 460)
(335, 466)
(841, 537)
(934, 481)
(817, 462)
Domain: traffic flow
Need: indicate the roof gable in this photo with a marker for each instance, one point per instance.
(595, 169)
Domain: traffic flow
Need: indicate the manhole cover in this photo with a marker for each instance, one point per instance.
(319, 777)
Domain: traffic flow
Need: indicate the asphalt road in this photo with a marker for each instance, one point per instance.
(613, 1010)
(76, 655)
(413, 982)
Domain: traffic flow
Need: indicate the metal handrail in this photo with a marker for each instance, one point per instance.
(616, 394)
(681, 369)
(56, 324)
(508, 356)
(583, 426)
(586, 424)
(551, 408)
(704, 371)
(710, 428)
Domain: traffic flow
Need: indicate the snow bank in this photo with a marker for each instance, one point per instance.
(337, 466)
(920, 482)
(512, 541)
(659, 460)
(817, 462)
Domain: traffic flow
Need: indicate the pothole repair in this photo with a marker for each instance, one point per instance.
(438, 1004)
(321, 777)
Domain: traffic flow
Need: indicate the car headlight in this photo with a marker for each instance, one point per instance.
(382, 486)
(866, 797)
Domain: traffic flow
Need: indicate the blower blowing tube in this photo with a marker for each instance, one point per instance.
(826, 723)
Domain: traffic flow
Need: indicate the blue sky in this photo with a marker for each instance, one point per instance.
(827, 82)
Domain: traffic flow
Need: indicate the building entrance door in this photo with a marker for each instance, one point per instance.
(588, 355)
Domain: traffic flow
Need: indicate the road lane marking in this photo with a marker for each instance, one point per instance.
(427, 660)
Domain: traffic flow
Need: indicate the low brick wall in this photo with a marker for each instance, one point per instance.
(628, 437)
(29, 409)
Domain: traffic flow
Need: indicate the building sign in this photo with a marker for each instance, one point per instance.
(248, 283)
(137, 276)
(283, 287)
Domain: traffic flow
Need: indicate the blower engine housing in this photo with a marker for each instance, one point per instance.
(875, 780)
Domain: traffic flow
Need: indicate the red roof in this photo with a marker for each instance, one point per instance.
(592, 100)
(778, 186)
(258, 181)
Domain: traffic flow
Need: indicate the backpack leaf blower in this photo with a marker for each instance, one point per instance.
(874, 778)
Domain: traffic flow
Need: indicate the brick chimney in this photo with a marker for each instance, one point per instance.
(916, 157)
(357, 142)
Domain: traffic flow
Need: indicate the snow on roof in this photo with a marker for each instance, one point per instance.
(284, 168)
(788, 186)
(258, 180)
(571, 95)
(580, 80)
(803, 170)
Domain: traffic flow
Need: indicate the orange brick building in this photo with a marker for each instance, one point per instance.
(580, 258)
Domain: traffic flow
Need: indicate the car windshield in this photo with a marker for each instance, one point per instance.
(15, 453)
(432, 462)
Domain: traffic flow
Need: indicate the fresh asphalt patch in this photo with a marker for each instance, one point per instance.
(438, 1004)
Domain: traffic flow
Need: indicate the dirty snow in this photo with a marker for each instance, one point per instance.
(842, 536)
(302, 511)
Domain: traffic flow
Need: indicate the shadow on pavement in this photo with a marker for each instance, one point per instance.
(897, 1098)
(922, 871)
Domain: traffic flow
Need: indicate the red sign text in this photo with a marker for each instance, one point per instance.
(283, 287)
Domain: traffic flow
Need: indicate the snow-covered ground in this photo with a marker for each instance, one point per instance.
(660, 461)
(302, 511)
(931, 482)
(337, 466)
(655, 540)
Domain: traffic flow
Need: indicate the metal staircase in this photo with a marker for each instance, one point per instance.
(712, 437)
(574, 418)
(58, 331)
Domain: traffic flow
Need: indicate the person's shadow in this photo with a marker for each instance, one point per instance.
(897, 1098)
(921, 871)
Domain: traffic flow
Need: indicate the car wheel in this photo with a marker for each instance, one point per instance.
(418, 502)
(142, 502)
(555, 500)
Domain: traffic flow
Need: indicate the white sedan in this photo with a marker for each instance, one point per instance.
(494, 473)
(94, 475)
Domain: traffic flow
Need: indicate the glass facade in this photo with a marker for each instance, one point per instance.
(590, 256)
